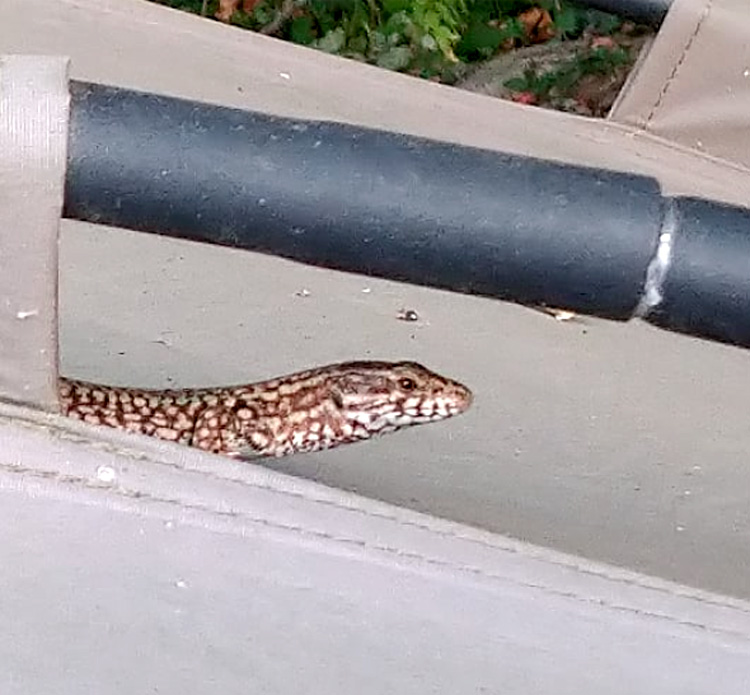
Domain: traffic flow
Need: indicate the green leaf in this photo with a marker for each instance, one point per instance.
(358, 44)
(428, 42)
(396, 24)
(514, 30)
(567, 21)
(394, 6)
(396, 58)
(333, 41)
(603, 22)
(480, 38)
(517, 84)
(301, 30)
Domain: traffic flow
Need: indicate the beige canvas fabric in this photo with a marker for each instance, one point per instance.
(693, 87)
(622, 443)
(33, 143)
(132, 565)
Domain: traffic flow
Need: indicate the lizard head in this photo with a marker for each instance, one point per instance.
(386, 396)
(347, 402)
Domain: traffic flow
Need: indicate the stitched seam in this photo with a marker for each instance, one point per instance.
(136, 456)
(398, 552)
(678, 64)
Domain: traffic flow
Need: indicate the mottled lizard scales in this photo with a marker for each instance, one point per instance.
(303, 412)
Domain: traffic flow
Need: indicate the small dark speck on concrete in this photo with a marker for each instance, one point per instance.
(408, 315)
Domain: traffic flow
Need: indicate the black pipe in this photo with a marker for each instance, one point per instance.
(362, 200)
(706, 289)
(646, 11)
(407, 209)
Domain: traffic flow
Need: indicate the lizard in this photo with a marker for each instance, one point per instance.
(303, 412)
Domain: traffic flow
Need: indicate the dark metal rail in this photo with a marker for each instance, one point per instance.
(410, 209)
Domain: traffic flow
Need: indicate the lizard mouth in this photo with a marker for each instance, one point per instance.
(449, 402)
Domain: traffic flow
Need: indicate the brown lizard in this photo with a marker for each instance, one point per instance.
(308, 411)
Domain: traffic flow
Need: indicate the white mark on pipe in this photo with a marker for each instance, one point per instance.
(658, 268)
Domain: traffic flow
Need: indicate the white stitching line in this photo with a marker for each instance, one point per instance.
(137, 456)
(678, 64)
(400, 553)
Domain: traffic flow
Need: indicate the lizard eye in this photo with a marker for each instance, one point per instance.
(407, 384)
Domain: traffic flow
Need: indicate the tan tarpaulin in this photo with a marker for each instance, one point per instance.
(134, 566)
(693, 87)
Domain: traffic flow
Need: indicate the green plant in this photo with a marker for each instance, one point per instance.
(397, 34)
(494, 23)
(430, 38)
(561, 81)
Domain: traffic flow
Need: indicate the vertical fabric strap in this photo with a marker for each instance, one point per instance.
(33, 144)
